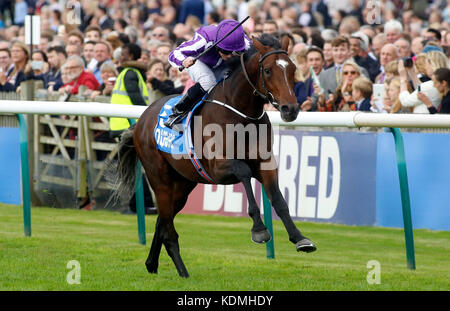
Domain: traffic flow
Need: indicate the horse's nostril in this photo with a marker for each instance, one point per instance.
(284, 109)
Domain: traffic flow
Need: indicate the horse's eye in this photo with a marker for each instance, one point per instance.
(267, 71)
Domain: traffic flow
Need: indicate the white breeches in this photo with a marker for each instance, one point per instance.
(203, 74)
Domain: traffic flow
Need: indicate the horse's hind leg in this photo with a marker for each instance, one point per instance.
(152, 260)
(269, 179)
(260, 234)
(171, 199)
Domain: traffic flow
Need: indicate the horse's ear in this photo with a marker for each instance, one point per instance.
(285, 43)
(261, 48)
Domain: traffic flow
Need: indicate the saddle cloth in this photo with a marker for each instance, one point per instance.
(176, 142)
(169, 140)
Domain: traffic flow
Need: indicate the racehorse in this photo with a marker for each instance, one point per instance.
(263, 74)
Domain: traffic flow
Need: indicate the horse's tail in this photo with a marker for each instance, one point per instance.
(121, 173)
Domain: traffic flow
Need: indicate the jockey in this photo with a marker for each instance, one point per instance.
(210, 67)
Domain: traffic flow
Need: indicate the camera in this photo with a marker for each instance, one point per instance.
(408, 62)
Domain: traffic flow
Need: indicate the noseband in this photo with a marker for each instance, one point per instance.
(268, 96)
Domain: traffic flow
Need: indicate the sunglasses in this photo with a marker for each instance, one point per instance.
(346, 73)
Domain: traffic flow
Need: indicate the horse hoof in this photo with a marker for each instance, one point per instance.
(306, 246)
(261, 237)
(152, 269)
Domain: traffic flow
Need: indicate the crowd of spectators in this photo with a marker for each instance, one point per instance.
(386, 56)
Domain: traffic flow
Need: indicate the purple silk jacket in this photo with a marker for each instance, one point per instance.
(203, 39)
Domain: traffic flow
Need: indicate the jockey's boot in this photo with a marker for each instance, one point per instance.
(186, 103)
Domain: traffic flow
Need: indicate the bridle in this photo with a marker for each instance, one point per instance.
(268, 96)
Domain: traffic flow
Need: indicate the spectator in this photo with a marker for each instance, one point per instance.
(158, 83)
(435, 60)
(156, 76)
(441, 81)
(359, 47)
(75, 37)
(53, 78)
(270, 27)
(162, 53)
(377, 44)
(77, 76)
(74, 49)
(88, 51)
(38, 64)
(315, 60)
(393, 30)
(391, 70)
(301, 75)
(342, 98)
(20, 56)
(328, 55)
(5, 66)
(421, 66)
(388, 54)
(361, 93)
(331, 78)
(160, 33)
(109, 75)
(93, 33)
(403, 48)
(102, 54)
(46, 38)
(104, 21)
(145, 57)
(130, 87)
(393, 92)
(417, 45)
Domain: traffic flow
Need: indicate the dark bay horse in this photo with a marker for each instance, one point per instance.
(264, 74)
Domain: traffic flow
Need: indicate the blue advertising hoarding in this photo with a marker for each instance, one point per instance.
(328, 176)
(427, 161)
(10, 180)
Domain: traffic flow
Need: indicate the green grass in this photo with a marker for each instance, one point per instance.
(217, 252)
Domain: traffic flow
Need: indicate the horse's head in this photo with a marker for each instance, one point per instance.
(276, 78)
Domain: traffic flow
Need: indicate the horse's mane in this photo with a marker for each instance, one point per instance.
(234, 64)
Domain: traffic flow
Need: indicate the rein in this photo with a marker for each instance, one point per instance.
(268, 96)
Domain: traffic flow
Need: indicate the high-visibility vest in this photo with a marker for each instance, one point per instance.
(120, 97)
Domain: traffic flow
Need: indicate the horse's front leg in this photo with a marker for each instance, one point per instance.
(242, 171)
(269, 180)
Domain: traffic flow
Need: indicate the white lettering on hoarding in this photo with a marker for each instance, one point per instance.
(307, 204)
(294, 167)
(327, 205)
(289, 151)
(213, 200)
(233, 200)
